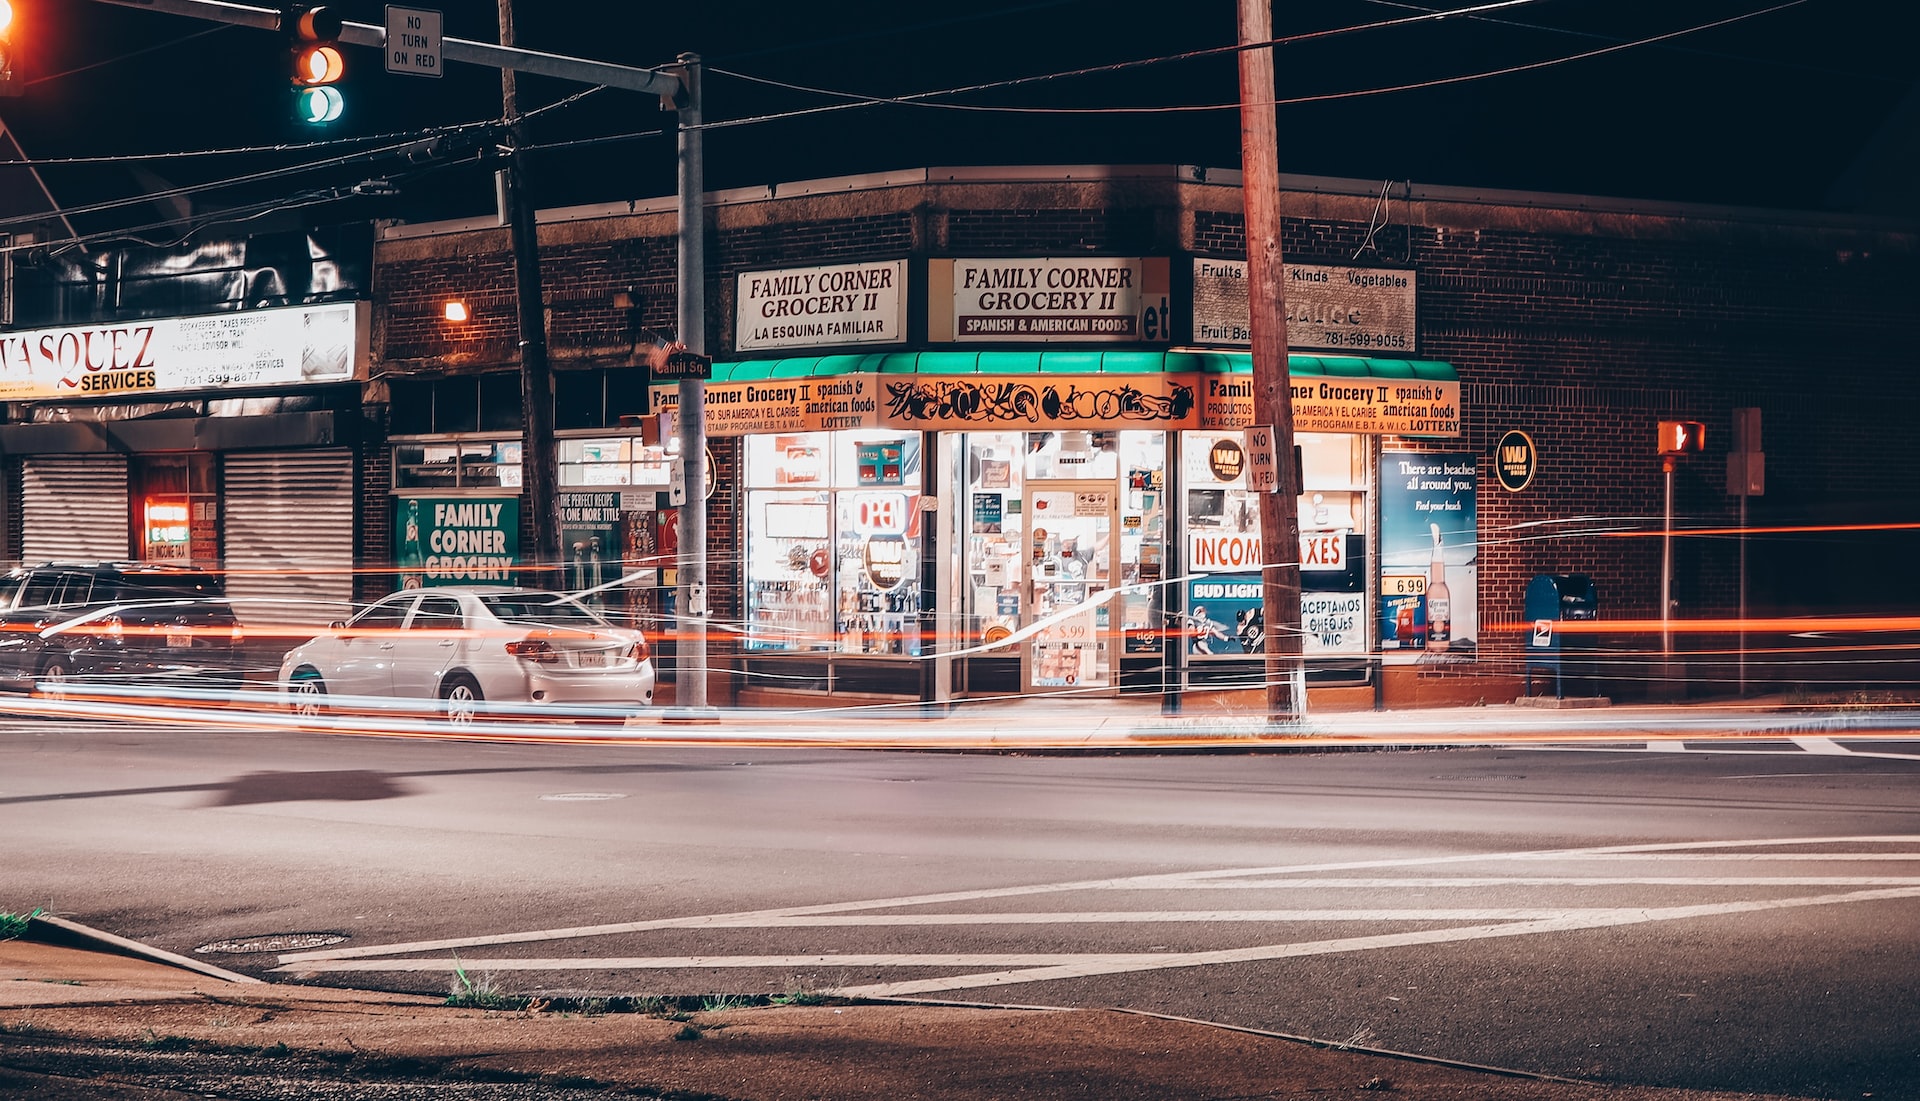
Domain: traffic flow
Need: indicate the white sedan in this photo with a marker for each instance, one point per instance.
(478, 649)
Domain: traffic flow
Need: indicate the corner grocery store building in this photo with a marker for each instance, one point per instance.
(978, 431)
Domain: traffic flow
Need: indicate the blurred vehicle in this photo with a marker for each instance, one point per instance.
(474, 648)
(116, 623)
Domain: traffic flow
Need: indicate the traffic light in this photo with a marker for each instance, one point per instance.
(1682, 437)
(317, 65)
(7, 85)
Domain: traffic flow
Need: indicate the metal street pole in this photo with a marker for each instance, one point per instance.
(1286, 689)
(537, 460)
(690, 653)
(1667, 463)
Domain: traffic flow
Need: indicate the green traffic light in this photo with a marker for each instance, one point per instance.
(318, 106)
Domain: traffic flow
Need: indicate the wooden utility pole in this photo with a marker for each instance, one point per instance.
(536, 374)
(1272, 400)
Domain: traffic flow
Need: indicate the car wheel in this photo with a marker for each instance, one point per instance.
(52, 681)
(463, 698)
(307, 694)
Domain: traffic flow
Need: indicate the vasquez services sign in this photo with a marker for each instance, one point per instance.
(246, 348)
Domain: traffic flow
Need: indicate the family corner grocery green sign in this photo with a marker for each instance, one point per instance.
(456, 540)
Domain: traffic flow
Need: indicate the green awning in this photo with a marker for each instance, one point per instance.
(1073, 363)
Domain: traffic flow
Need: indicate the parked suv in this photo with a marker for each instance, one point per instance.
(116, 622)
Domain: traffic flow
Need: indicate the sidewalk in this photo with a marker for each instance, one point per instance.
(78, 1022)
(1137, 722)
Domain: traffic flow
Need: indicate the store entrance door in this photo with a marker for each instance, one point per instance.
(1071, 553)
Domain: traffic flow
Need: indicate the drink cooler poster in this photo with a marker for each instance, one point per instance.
(1417, 491)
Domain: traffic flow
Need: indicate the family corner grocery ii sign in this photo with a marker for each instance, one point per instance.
(245, 348)
(833, 305)
(1039, 299)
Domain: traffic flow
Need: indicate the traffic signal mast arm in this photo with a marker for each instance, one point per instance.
(652, 82)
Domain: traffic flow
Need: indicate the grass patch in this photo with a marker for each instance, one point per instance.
(13, 926)
(479, 992)
(688, 1031)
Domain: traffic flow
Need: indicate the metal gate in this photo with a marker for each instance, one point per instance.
(74, 509)
(288, 522)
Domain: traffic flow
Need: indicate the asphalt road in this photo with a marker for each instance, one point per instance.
(1745, 916)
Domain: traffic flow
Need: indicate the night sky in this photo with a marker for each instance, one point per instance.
(1771, 110)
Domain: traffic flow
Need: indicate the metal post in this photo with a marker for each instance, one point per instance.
(690, 654)
(1743, 574)
(1666, 585)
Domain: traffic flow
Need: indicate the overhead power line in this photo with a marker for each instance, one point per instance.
(924, 99)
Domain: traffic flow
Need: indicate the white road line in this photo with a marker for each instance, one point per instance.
(1113, 917)
(1119, 883)
(1822, 745)
(1797, 858)
(1111, 965)
(1040, 967)
(1544, 881)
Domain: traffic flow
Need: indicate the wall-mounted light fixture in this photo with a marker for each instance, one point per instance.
(455, 310)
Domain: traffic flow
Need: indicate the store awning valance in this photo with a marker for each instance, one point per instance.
(1073, 363)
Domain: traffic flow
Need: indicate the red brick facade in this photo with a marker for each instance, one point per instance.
(1580, 323)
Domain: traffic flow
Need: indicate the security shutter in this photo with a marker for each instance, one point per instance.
(288, 520)
(74, 509)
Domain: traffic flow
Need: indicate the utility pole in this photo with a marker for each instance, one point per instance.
(1286, 682)
(690, 417)
(537, 460)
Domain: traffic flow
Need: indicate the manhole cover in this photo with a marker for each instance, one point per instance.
(582, 796)
(272, 942)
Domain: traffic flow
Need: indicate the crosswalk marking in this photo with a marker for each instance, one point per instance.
(1149, 881)
(976, 970)
(1040, 967)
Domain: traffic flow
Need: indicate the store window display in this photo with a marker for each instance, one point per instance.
(833, 542)
(1055, 521)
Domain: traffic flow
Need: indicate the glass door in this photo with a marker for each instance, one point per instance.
(1071, 552)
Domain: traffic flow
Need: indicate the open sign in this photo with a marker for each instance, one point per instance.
(880, 513)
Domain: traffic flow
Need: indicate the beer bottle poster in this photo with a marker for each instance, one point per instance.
(1429, 557)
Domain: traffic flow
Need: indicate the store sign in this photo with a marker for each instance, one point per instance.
(885, 558)
(782, 405)
(1093, 402)
(880, 513)
(456, 540)
(1362, 404)
(1361, 311)
(1208, 551)
(245, 348)
(1081, 298)
(1514, 461)
(1331, 623)
(813, 307)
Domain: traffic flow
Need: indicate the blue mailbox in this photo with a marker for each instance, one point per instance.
(1553, 599)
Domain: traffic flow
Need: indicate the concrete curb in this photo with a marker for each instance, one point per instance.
(85, 936)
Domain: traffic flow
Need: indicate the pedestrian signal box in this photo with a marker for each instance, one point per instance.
(1682, 437)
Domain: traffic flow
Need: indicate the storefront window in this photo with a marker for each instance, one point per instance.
(179, 512)
(1225, 601)
(833, 542)
(458, 464)
(616, 461)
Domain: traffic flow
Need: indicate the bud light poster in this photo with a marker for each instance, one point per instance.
(1224, 615)
(1429, 557)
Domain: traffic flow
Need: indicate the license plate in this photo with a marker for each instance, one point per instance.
(591, 659)
(179, 642)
